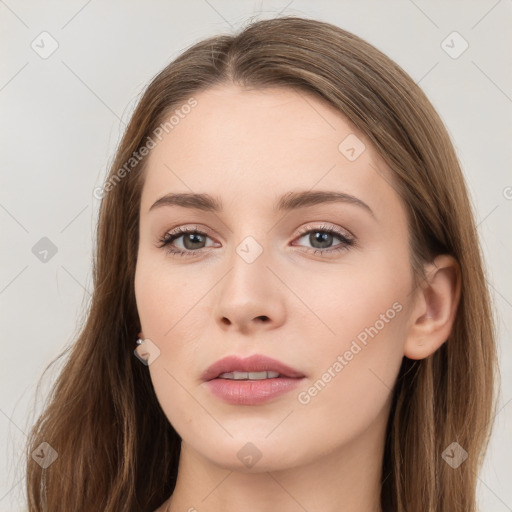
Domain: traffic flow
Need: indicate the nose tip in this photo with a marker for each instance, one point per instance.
(261, 318)
(249, 297)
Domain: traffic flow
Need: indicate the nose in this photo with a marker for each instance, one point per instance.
(250, 297)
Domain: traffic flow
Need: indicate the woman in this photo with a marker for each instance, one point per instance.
(287, 235)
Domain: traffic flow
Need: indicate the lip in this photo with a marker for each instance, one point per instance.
(250, 392)
(254, 363)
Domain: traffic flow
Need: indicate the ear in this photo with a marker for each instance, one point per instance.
(435, 308)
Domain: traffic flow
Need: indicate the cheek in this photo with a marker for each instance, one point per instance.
(363, 300)
(355, 370)
(174, 311)
(164, 296)
(352, 391)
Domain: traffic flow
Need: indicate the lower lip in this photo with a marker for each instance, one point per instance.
(251, 392)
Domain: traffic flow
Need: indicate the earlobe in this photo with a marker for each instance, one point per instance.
(435, 310)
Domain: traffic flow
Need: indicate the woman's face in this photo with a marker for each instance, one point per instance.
(254, 279)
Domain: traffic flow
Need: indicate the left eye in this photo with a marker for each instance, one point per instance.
(322, 239)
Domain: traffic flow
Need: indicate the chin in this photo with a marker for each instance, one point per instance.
(251, 454)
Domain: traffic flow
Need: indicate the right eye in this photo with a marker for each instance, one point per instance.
(191, 238)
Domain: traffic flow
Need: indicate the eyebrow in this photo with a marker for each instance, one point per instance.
(287, 202)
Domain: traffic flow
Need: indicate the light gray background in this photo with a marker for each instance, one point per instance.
(62, 117)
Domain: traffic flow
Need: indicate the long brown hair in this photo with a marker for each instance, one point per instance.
(116, 448)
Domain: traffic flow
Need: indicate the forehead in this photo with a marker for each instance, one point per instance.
(246, 144)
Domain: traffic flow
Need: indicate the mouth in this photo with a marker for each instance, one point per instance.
(250, 381)
(255, 367)
(249, 375)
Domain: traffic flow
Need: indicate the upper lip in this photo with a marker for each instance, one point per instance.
(254, 363)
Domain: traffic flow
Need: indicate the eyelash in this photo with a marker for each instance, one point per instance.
(170, 237)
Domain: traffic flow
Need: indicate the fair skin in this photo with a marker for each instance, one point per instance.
(248, 147)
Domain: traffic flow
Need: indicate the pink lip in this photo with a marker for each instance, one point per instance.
(250, 392)
(254, 363)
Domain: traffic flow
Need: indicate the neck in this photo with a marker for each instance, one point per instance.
(347, 478)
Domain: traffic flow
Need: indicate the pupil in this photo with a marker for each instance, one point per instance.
(323, 238)
(190, 239)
